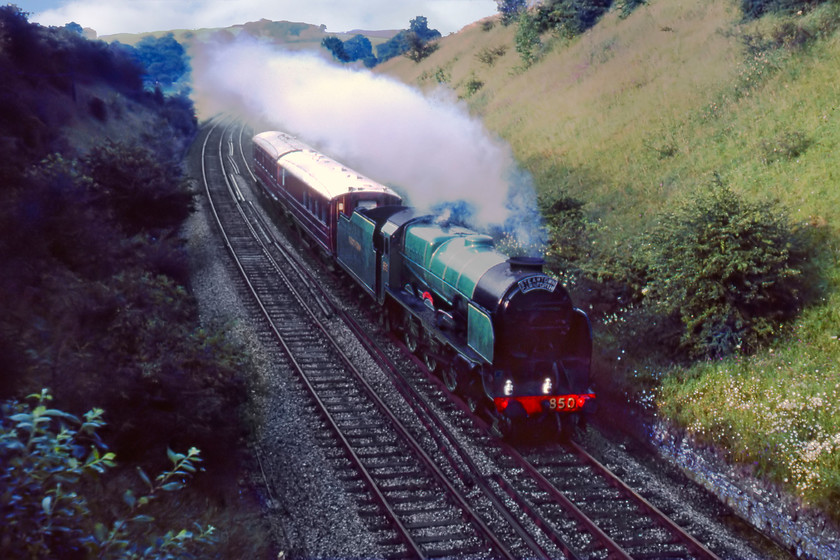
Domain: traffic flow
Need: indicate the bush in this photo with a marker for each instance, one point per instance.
(473, 85)
(527, 39)
(143, 193)
(570, 17)
(731, 269)
(51, 459)
(753, 9)
(488, 55)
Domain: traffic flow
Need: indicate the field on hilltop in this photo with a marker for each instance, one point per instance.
(631, 131)
(290, 35)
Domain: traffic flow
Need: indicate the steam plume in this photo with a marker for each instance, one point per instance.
(426, 146)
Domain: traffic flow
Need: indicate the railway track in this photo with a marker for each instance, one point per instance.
(426, 515)
(423, 490)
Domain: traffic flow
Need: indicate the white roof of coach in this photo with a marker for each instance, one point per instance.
(322, 173)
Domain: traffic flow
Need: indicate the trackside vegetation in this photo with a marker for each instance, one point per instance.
(107, 370)
(683, 154)
(50, 459)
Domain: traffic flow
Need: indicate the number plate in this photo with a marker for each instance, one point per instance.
(569, 403)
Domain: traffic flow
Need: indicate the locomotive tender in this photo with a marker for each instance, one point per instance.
(499, 331)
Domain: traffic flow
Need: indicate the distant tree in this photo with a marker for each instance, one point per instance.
(420, 39)
(420, 25)
(360, 48)
(164, 59)
(416, 37)
(336, 47)
(510, 10)
(418, 49)
(75, 28)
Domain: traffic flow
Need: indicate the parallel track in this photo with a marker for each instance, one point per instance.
(545, 512)
(429, 516)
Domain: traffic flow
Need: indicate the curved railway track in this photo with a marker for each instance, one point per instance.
(426, 489)
(427, 514)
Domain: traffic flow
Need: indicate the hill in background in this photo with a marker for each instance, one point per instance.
(291, 35)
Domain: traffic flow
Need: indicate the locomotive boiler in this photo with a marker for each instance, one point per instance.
(500, 332)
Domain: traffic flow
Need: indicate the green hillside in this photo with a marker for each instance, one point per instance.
(635, 128)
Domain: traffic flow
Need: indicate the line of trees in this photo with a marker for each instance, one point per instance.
(417, 42)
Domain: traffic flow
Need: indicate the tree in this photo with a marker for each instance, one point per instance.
(359, 47)
(418, 49)
(415, 38)
(510, 10)
(336, 47)
(164, 59)
(418, 39)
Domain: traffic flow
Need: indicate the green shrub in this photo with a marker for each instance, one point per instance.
(489, 55)
(786, 145)
(527, 39)
(142, 192)
(473, 85)
(756, 8)
(732, 270)
(51, 459)
(570, 17)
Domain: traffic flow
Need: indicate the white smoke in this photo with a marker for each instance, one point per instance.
(426, 146)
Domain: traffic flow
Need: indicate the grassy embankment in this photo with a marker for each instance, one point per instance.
(637, 113)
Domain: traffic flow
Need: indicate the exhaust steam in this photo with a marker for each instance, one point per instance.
(426, 146)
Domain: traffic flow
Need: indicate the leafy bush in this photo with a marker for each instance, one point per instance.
(732, 270)
(142, 192)
(527, 39)
(626, 7)
(784, 146)
(753, 9)
(473, 85)
(51, 459)
(570, 17)
(488, 55)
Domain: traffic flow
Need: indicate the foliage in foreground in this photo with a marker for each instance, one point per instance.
(51, 463)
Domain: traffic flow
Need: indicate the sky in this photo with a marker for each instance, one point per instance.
(108, 17)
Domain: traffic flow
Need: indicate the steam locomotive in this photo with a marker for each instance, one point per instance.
(499, 332)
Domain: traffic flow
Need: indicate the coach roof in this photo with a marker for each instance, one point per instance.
(320, 172)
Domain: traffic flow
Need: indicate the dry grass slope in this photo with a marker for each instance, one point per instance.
(639, 112)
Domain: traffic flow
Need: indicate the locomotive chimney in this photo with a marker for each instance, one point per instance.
(527, 263)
